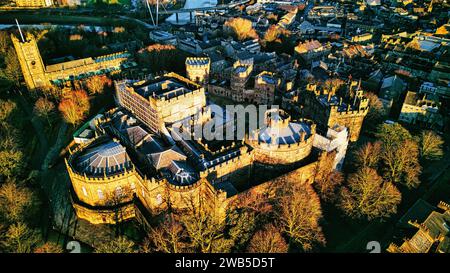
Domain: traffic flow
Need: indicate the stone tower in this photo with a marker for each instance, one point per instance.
(30, 60)
(197, 69)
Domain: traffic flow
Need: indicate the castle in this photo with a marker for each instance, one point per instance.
(38, 75)
(165, 100)
(241, 89)
(130, 168)
(198, 68)
(329, 109)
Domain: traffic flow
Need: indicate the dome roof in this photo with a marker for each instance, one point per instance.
(109, 157)
(284, 135)
(182, 174)
(279, 129)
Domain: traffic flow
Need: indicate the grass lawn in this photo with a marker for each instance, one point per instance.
(37, 18)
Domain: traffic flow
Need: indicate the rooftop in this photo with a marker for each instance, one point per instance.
(163, 87)
(105, 158)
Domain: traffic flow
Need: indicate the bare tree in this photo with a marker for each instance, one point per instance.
(48, 248)
(117, 245)
(204, 228)
(430, 145)
(44, 108)
(168, 237)
(368, 155)
(368, 196)
(268, 240)
(74, 107)
(19, 238)
(326, 179)
(299, 216)
(16, 202)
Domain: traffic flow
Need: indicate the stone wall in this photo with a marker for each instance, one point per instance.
(275, 154)
(353, 120)
(105, 216)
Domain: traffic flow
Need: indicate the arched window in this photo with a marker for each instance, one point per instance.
(119, 192)
(100, 194)
(84, 191)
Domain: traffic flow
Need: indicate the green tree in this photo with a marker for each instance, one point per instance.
(19, 238)
(13, 72)
(377, 113)
(16, 202)
(400, 155)
(392, 134)
(11, 162)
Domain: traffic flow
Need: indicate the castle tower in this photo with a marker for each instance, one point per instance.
(30, 60)
(197, 69)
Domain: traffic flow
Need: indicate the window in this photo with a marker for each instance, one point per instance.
(100, 194)
(119, 192)
(84, 191)
(159, 199)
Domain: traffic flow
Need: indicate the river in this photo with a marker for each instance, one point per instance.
(183, 18)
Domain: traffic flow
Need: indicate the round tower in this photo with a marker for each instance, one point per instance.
(281, 140)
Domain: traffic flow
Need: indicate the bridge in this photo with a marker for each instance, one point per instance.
(191, 11)
(218, 7)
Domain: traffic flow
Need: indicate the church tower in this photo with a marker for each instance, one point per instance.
(30, 60)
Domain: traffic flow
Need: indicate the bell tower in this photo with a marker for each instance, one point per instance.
(30, 60)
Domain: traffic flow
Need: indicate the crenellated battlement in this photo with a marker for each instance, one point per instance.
(243, 157)
(197, 63)
(337, 110)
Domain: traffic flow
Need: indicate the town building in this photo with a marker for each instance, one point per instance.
(241, 87)
(163, 37)
(33, 3)
(311, 50)
(421, 109)
(431, 227)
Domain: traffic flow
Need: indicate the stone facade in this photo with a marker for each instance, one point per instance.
(240, 90)
(198, 68)
(33, 3)
(283, 141)
(168, 106)
(329, 110)
(95, 197)
(38, 75)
